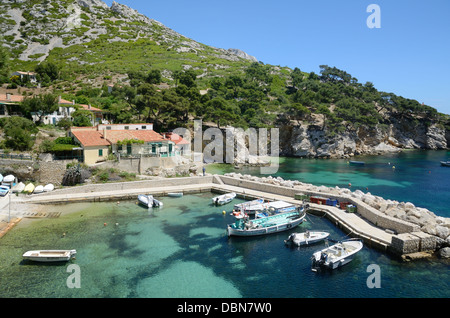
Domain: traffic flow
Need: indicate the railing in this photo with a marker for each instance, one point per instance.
(13, 156)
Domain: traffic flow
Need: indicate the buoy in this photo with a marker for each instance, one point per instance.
(349, 184)
(223, 212)
(117, 224)
(393, 167)
(104, 224)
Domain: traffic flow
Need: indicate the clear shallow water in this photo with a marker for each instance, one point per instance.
(182, 251)
(418, 176)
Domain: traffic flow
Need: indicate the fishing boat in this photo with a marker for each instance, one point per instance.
(248, 205)
(149, 201)
(336, 255)
(29, 188)
(175, 194)
(18, 187)
(49, 255)
(49, 187)
(306, 238)
(38, 189)
(445, 163)
(244, 226)
(224, 198)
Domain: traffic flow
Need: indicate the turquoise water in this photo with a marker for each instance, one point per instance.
(182, 251)
(417, 177)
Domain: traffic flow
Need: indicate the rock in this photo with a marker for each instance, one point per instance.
(444, 252)
(442, 231)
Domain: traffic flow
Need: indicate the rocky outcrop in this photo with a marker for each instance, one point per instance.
(313, 141)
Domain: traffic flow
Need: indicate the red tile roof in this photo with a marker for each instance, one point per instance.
(177, 139)
(146, 135)
(89, 138)
(12, 98)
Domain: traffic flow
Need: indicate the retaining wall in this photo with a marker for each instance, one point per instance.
(372, 215)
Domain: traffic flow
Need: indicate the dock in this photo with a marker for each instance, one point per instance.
(376, 230)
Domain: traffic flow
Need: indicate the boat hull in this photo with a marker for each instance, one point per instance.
(47, 256)
(330, 258)
(266, 230)
(224, 198)
(300, 239)
(175, 194)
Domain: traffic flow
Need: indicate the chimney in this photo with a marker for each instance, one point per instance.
(59, 99)
(89, 106)
(73, 101)
(104, 133)
(8, 96)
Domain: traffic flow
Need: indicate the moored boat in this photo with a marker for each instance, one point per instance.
(175, 194)
(145, 200)
(9, 181)
(357, 163)
(306, 238)
(49, 255)
(244, 226)
(336, 255)
(224, 198)
(149, 201)
(445, 163)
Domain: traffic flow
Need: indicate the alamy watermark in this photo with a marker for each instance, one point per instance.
(233, 146)
(374, 20)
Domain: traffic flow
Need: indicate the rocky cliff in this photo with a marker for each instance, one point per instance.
(313, 141)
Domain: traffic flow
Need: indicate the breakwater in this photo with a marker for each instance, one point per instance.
(371, 222)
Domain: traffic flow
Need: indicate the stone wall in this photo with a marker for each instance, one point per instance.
(36, 171)
(369, 213)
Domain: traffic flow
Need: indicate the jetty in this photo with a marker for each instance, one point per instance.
(376, 229)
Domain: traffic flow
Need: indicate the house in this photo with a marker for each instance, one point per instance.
(7, 103)
(182, 146)
(123, 140)
(26, 76)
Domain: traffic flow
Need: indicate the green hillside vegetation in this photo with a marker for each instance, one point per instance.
(106, 47)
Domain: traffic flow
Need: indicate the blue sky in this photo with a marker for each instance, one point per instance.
(409, 55)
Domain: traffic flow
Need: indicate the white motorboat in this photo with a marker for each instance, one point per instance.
(146, 200)
(306, 238)
(175, 194)
(445, 163)
(224, 198)
(49, 255)
(9, 181)
(244, 226)
(49, 187)
(149, 201)
(336, 255)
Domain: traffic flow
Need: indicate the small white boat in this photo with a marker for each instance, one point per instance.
(271, 224)
(175, 194)
(224, 198)
(306, 238)
(146, 200)
(18, 187)
(149, 201)
(38, 189)
(336, 255)
(49, 255)
(49, 187)
(445, 163)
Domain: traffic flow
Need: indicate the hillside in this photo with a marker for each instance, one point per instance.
(79, 47)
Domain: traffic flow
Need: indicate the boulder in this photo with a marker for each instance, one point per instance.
(444, 252)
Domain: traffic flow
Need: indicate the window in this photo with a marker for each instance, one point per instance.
(100, 152)
(108, 127)
(127, 127)
(144, 127)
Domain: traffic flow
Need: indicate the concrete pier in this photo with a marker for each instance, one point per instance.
(377, 230)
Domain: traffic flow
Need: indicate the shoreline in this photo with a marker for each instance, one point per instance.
(386, 233)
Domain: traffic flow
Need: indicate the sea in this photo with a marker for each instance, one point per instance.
(181, 251)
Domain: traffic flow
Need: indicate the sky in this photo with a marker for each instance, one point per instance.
(408, 55)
